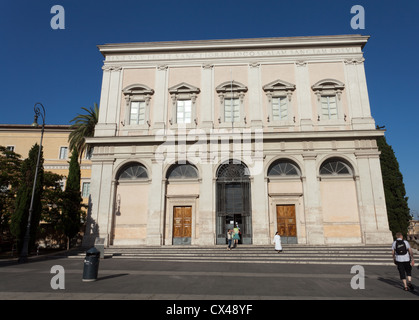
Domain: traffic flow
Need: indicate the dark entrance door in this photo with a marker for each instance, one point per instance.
(233, 201)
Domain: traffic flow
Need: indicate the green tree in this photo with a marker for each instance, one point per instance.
(72, 201)
(19, 218)
(396, 201)
(10, 163)
(83, 127)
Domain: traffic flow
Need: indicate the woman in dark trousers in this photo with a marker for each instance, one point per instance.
(403, 258)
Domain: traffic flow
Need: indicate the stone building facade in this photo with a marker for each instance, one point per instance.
(271, 134)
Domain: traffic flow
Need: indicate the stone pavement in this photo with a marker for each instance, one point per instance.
(225, 281)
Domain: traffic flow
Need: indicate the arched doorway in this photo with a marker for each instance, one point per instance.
(182, 191)
(233, 201)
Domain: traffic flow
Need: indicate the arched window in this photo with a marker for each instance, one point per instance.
(335, 167)
(182, 171)
(283, 168)
(133, 171)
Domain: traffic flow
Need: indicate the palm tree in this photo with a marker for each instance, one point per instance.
(83, 127)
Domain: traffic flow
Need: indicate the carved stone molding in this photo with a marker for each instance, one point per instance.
(301, 63)
(354, 61)
(112, 68)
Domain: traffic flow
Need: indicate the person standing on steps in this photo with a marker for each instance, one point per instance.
(277, 241)
(229, 238)
(403, 258)
(236, 235)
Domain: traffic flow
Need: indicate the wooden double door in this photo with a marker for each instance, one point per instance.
(286, 223)
(182, 225)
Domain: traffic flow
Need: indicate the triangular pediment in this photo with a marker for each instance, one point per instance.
(279, 85)
(183, 88)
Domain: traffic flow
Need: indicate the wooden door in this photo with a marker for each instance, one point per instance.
(182, 224)
(286, 222)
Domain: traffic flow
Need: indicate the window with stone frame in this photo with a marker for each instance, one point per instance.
(184, 97)
(329, 92)
(137, 97)
(231, 94)
(279, 94)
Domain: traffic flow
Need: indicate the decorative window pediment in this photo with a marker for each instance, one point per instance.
(231, 86)
(137, 90)
(328, 87)
(279, 88)
(183, 88)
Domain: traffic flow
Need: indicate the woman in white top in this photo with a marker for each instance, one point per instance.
(277, 241)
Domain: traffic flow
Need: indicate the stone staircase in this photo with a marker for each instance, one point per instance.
(292, 254)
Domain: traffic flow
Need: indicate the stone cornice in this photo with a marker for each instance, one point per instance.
(232, 44)
(267, 136)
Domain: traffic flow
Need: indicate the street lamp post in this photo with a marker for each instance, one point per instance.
(38, 112)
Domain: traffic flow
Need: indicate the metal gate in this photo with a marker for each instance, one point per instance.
(233, 201)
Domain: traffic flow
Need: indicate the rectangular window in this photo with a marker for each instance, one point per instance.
(10, 148)
(184, 111)
(86, 189)
(63, 152)
(329, 107)
(231, 110)
(137, 112)
(279, 109)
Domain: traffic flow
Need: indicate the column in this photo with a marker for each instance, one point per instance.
(100, 211)
(255, 104)
(206, 96)
(305, 107)
(260, 212)
(371, 191)
(359, 108)
(156, 205)
(312, 202)
(160, 96)
(206, 208)
(109, 101)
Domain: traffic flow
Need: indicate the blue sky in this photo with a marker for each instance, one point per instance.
(62, 68)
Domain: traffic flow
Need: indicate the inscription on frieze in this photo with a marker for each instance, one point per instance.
(233, 54)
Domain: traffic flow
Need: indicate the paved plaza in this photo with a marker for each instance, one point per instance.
(222, 281)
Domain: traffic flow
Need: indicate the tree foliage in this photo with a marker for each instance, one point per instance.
(72, 201)
(396, 201)
(83, 127)
(10, 163)
(19, 219)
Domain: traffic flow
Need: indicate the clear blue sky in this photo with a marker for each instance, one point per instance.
(62, 68)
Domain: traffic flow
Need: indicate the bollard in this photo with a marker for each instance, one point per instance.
(91, 265)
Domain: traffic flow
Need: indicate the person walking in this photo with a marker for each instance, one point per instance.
(277, 241)
(229, 238)
(403, 258)
(236, 235)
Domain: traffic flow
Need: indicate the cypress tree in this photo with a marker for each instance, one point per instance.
(396, 201)
(71, 214)
(19, 219)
